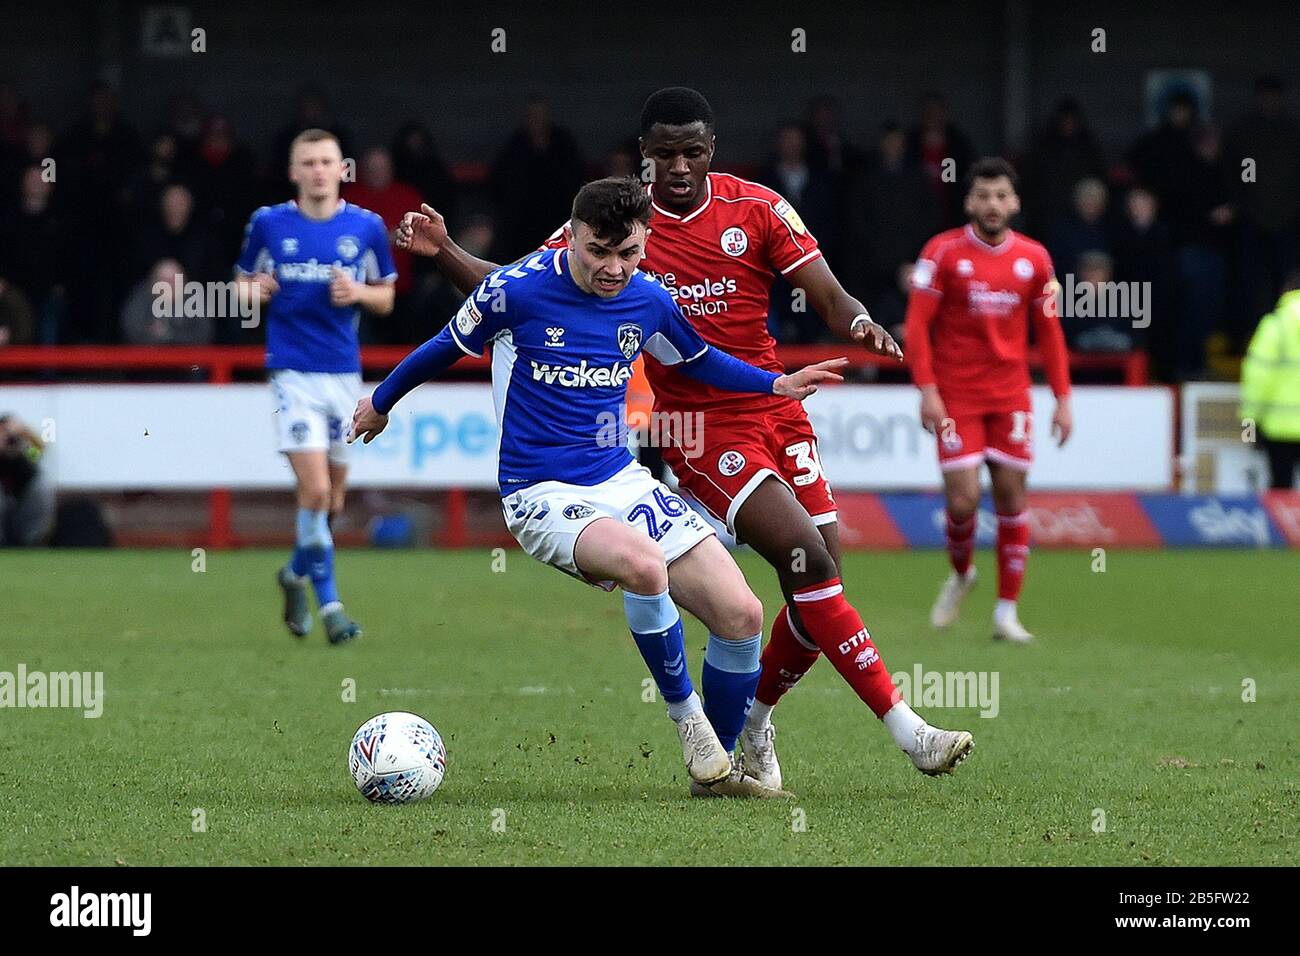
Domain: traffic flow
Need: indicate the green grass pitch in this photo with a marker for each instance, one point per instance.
(1129, 706)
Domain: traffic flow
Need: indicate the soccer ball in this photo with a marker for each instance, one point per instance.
(397, 758)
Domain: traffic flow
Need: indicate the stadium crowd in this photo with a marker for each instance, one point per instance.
(86, 237)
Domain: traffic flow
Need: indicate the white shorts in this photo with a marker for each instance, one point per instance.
(313, 410)
(547, 518)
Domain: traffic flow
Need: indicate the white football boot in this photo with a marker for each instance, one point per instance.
(758, 754)
(1007, 626)
(738, 783)
(706, 760)
(939, 751)
(947, 606)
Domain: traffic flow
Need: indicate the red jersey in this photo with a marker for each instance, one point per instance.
(968, 320)
(718, 261)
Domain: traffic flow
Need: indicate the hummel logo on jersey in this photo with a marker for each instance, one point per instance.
(554, 338)
(289, 246)
(629, 339)
(582, 375)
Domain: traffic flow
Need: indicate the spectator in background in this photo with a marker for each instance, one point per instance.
(224, 188)
(1202, 255)
(27, 502)
(378, 191)
(623, 160)
(177, 234)
(1098, 333)
(891, 212)
(1164, 159)
(829, 150)
(153, 315)
(1270, 384)
(160, 169)
(1144, 252)
(534, 180)
(96, 157)
(17, 324)
(1064, 152)
(813, 194)
(36, 254)
(186, 117)
(1083, 229)
(1269, 205)
(933, 140)
(13, 135)
(417, 162)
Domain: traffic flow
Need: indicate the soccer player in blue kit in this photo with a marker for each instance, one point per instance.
(317, 261)
(565, 327)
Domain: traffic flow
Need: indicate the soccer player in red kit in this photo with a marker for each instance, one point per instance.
(975, 291)
(716, 242)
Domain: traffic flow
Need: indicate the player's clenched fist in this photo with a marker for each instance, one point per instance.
(344, 290)
(423, 233)
(933, 411)
(366, 422)
(264, 286)
(799, 385)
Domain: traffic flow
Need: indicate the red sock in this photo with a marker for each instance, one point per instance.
(961, 542)
(1013, 551)
(838, 630)
(784, 660)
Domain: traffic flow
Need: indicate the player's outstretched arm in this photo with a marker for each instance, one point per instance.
(715, 367)
(841, 311)
(425, 234)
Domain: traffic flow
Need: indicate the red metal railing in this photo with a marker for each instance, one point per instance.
(220, 362)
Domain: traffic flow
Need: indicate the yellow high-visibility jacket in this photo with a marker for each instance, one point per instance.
(1270, 374)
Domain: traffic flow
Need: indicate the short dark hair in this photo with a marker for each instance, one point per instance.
(314, 135)
(675, 106)
(991, 167)
(612, 207)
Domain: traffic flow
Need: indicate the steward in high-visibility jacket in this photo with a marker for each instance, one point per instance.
(1270, 383)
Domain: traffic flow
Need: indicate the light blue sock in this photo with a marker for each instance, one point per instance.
(314, 554)
(657, 629)
(729, 680)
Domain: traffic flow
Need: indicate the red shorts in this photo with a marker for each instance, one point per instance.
(966, 439)
(736, 452)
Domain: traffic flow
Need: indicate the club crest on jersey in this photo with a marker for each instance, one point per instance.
(786, 212)
(965, 267)
(629, 339)
(1023, 268)
(289, 246)
(348, 247)
(734, 241)
(730, 462)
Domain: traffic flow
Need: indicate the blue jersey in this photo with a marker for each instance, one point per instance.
(561, 362)
(303, 331)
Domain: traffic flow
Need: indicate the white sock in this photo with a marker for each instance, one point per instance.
(684, 708)
(760, 715)
(1004, 609)
(331, 607)
(902, 723)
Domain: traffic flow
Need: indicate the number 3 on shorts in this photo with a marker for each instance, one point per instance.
(806, 459)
